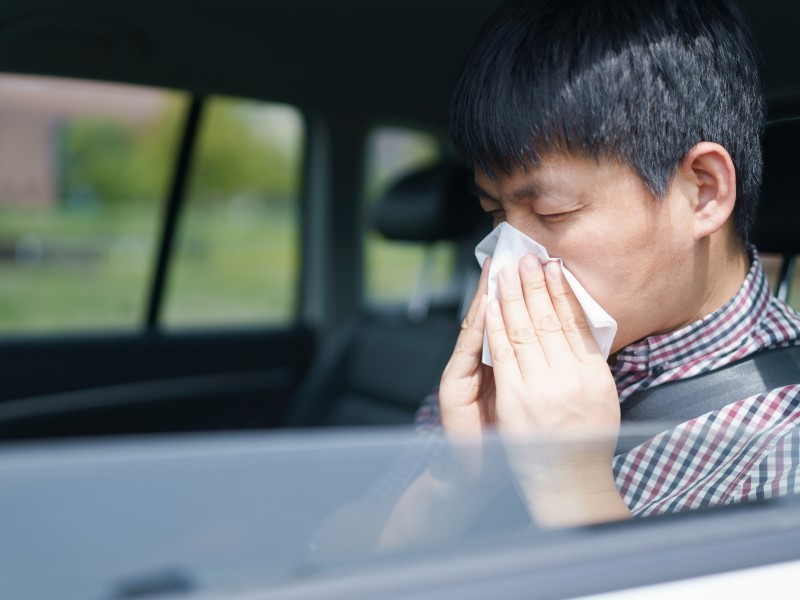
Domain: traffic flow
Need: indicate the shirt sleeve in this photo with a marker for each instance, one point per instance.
(414, 459)
(748, 450)
(777, 472)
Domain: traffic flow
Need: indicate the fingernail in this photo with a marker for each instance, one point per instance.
(494, 307)
(553, 269)
(531, 263)
(487, 261)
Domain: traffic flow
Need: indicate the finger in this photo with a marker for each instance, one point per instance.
(543, 315)
(472, 327)
(507, 375)
(483, 286)
(570, 314)
(466, 358)
(519, 327)
(469, 326)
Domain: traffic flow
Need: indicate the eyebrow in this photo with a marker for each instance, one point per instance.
(527, 191)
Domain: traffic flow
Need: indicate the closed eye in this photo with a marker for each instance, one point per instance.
(555, 217)
(552, 218)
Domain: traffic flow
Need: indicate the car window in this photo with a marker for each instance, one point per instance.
(772, 268)
(188, 515)
(84, 170)
(236, 258)
(394, 268)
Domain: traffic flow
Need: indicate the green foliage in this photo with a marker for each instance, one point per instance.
(110, 161)
(236, 157)
(104, 160)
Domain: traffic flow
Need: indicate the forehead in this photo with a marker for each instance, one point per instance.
(560, 175)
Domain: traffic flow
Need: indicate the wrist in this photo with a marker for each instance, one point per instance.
(469, 470)
(575, 495)
(568, 481)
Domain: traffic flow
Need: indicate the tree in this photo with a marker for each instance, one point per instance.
(114, 161)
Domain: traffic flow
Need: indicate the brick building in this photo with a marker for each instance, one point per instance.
(32, 111)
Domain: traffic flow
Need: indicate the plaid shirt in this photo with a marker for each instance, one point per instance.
(747, 450)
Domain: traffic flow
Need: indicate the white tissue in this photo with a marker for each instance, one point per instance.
(507, 245)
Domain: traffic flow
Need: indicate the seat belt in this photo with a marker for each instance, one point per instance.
(676, 402)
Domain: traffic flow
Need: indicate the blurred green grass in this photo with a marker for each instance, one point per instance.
(76, 270)
(235, 265)
(68, 270)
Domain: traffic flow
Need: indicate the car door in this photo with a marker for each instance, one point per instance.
(151, 259)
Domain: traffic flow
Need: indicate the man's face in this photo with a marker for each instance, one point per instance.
(633, 254)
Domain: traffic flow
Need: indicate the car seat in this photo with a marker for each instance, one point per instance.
(377, 369)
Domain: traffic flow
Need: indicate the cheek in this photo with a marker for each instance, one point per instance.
(616, 252)
(616, 269)
(606, 283)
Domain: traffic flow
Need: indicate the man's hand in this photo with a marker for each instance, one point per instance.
(466, 391)
(551, 381)
(549, 378)
(445, 499)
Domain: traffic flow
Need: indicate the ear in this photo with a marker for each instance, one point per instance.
(710, 178)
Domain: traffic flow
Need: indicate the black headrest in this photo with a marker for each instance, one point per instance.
(777, 228)
(430, 205)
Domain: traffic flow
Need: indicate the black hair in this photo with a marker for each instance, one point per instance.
(637, 81)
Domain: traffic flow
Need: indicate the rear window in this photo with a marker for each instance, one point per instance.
(772, 268)
(393, 269)
(237, 256)
(86, 170)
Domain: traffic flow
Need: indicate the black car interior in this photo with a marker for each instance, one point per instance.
(349, 66)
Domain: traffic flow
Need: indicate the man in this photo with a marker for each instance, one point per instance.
(623, 136)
